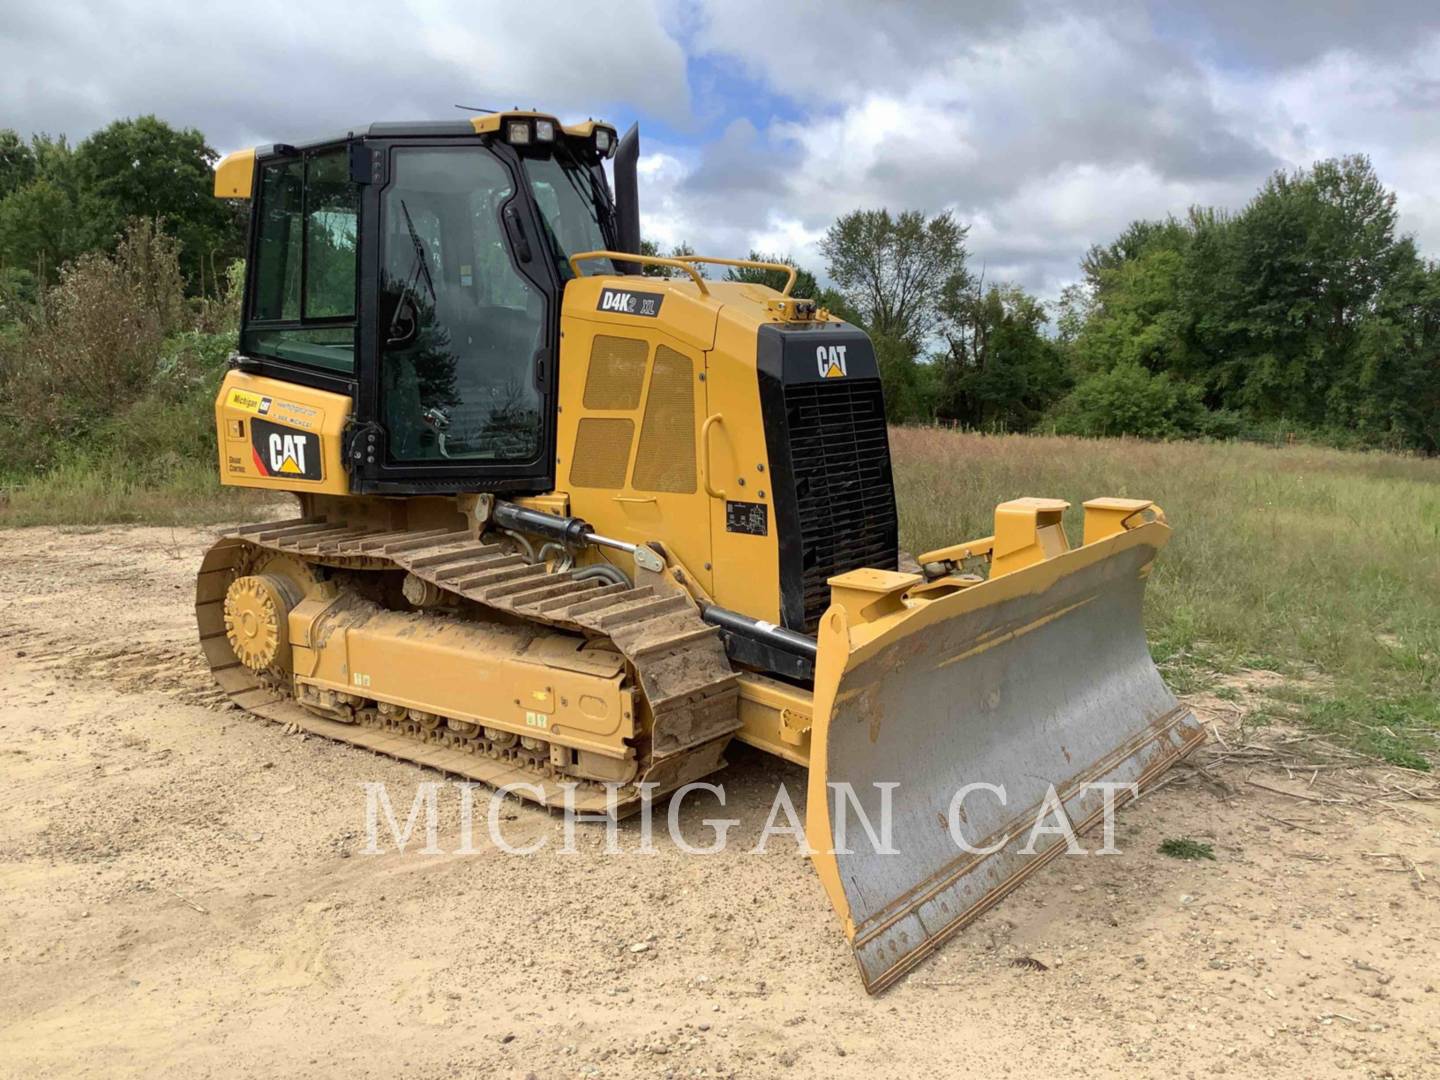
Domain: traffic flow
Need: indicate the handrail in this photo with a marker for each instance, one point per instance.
(682, 262)
(648, 260)
(757, 263)
(710, 489)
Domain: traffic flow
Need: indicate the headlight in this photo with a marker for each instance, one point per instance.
(545, 130)
(518, 132)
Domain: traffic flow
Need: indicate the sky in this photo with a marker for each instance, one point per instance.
(1044, 127)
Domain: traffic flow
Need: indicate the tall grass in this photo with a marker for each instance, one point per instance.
(106, 392)
(86, 491)
(1323, 565)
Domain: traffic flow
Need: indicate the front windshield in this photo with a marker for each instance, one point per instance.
(574, 206)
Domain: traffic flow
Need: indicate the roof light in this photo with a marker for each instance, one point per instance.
(518, 132)
(545, 130)
(602, 140)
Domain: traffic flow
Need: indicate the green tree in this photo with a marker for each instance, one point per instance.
(1000, 371)
(805, 284)
(1144, 318)
(681, 250)
(1073, 311)
(93, 349)
(891, 275)
(19, 293)
(1397, 379)
(1307, 258)
(41, 224)
(1305, 307)
(895, 270)
(1138, 237)
(17, 162)
(144, 168)
(40, 228)
(1128, 400)
(908, 381)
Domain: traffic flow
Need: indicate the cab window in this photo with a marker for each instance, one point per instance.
(459, 326)
(302, 301)
(572, 206)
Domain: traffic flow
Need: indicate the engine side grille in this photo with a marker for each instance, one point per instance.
(602, 450)
(616, 372)
(840, 462)
(665, 459)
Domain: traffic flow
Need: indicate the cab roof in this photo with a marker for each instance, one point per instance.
(234, 175)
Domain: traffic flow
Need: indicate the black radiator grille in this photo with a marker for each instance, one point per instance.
(840, 461)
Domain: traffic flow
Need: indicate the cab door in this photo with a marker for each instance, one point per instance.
(457, 384)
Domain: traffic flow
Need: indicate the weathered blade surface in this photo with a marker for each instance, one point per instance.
(1039, 678)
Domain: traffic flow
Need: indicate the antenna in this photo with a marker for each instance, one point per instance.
(476, 108)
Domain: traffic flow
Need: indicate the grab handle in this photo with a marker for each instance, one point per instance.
(710, 421)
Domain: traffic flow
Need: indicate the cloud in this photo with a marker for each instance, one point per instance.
(842, 50)
(1386, 107)
(1273, 34)
(268, 71)
(1036, 234)
(994, 119)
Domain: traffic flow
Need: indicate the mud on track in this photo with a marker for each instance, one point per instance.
(182, 890)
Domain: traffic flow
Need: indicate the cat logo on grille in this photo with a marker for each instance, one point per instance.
(831, 361)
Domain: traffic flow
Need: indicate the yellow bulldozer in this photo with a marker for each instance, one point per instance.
(571, 527)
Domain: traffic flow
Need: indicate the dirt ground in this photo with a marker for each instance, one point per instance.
(183, 892)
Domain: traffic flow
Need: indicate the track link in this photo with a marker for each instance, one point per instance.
(679, 660)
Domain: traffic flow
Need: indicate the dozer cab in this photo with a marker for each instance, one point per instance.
(570, 528)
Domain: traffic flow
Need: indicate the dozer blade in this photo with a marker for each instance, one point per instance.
(1036, 678)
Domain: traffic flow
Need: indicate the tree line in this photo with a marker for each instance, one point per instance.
(1306, 311)
(58, 202)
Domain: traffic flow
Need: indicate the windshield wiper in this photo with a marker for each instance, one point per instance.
(397, 333)
(596, 200)
(422, 259)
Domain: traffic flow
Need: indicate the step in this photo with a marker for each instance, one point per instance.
(370, 539)
(329, 542)
(520, 583)
(293, 530)
(647, 646)
(384, 539)
(271, 526)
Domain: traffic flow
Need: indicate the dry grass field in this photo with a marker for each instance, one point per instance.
(1320, 565)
